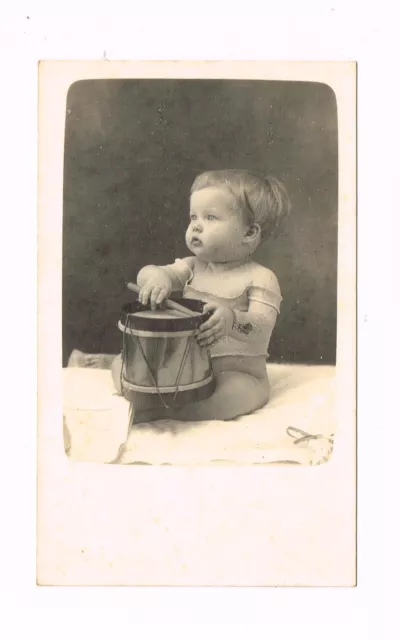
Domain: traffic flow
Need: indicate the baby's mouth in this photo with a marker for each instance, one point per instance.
(196, 242)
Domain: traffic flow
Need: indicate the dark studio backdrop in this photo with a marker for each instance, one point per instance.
(132, 150)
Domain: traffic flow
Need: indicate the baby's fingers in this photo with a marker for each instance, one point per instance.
(210, 332)
(210, 306)
(155, 295)
(144, 295)
(207, 342)
(162, 295)
(148, 295)
(208, 324)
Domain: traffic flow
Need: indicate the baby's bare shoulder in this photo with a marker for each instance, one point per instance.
(263, 277)
(189, 261)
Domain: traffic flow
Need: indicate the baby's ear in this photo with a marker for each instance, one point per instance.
(253, 232)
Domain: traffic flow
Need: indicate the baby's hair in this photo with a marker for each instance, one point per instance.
(262, 200)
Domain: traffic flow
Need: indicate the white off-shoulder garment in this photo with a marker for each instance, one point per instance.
(234, 285)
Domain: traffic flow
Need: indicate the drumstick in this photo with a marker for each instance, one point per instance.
(171, 304)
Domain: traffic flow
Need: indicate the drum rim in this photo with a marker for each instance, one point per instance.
(170, 389)
(170, 325)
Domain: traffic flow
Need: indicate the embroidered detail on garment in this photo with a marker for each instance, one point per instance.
(245, 328)
(242, 328)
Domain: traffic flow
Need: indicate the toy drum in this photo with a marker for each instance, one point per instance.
(162, 363)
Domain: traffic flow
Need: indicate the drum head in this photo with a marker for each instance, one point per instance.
(168, 314)
(138, 316)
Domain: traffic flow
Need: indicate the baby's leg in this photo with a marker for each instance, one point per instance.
(236, 394)
(91, 360)
(99, 361)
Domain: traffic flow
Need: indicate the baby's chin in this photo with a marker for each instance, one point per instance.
(197, 249)
(205, 253)
(200, 251)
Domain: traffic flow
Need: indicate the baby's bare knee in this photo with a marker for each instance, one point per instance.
(236, 394)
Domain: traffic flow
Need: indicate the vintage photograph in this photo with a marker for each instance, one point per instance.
(196, 332)
(199, 265)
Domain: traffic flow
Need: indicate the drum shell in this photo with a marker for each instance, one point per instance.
(163, 365)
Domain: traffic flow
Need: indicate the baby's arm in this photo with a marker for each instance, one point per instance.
(257, 322)
(246, 326)
(264, 298)
(157, 283)
(250, 325)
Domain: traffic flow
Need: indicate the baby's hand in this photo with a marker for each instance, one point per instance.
(215, 327)
(155, 291)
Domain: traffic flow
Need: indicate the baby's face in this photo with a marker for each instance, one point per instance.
(217, 230)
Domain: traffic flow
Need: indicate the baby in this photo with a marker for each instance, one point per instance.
(231, 213)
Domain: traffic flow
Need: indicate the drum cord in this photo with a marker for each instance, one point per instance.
(151, 373)
(145, 359)
(121, 381)
(123, 367)
(179, 374)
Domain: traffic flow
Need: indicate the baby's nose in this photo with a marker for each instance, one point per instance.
(197, 226)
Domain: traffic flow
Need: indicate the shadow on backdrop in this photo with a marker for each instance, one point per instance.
(132, 150)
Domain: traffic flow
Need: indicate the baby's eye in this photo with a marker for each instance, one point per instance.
(193, 216)
(211, 217)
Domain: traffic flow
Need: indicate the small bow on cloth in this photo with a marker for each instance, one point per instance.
(322, 450)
